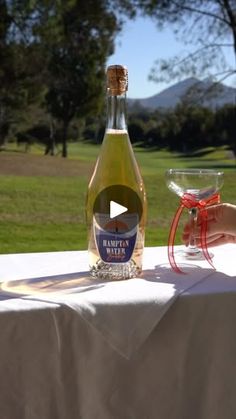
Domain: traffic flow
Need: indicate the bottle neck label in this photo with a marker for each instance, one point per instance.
(115, 240)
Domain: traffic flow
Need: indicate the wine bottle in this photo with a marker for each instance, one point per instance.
(116, 199)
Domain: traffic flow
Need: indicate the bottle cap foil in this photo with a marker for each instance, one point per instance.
(117, 80)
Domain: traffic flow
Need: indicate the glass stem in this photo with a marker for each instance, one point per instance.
(193, 223)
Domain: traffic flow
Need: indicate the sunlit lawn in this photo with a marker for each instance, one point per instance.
(42, 199)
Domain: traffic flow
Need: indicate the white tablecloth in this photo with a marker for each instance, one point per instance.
(64, 354)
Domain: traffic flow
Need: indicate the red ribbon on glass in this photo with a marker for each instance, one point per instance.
(188, 201)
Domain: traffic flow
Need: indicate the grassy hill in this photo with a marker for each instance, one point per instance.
(42, 198)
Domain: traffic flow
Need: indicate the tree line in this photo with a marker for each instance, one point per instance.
(184, 129)
(53, 56)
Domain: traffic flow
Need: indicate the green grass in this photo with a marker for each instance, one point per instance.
(42, 199)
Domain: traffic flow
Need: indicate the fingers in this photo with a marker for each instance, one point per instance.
(216, 240)
(223, 239)
(221, 218)
(211, 241)
(214, 213)
(221, 225)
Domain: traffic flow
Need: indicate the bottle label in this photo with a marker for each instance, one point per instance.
(115, 239)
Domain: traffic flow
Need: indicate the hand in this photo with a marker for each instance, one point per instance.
(221, 225)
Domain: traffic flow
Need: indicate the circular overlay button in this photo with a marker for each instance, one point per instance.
(117, 209)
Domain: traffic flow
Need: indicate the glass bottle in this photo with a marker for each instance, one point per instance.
(116, 243)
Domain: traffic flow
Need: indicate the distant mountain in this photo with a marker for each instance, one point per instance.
(191, 90)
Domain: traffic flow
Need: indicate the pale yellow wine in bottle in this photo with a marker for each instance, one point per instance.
(116, 199)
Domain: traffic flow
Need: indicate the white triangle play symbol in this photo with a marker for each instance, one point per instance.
(116, 209)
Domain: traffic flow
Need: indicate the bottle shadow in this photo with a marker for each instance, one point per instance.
(54, 285)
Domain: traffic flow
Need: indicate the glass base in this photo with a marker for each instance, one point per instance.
(191, 253)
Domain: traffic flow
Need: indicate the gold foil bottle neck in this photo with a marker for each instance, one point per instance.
(117, 80)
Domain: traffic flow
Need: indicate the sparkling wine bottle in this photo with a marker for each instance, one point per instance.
(116, 199)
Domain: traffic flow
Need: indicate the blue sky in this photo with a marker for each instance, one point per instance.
(138, 46)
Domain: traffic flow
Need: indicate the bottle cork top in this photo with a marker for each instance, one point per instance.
(117, 79)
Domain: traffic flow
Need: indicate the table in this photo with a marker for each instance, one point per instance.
(56, 361)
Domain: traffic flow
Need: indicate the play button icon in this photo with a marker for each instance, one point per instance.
(116, 209)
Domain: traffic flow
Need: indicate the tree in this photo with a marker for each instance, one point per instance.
(21, 65)
(8, 75)
(70, 41)
(78, 52)
(224, 126)
(208, 25)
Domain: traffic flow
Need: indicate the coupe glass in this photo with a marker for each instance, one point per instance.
(200, 185)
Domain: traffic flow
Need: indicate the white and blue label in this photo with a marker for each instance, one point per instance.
(114, 239)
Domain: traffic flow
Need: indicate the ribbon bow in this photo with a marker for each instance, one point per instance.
(188, 201)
